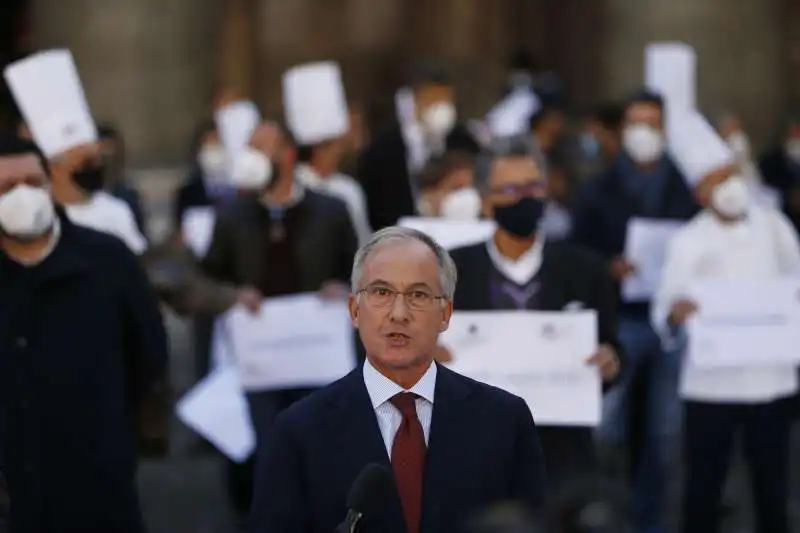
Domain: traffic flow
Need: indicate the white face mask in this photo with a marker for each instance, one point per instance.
(212, 159)
(731, 197)
(739, 145)
(792, 148)
(439, 118)
(643, 143)
(26, 212)
(251, 169)
(461, 204)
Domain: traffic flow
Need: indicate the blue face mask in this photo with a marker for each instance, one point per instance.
(590, 146)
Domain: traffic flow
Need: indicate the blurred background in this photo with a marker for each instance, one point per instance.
(154, 67)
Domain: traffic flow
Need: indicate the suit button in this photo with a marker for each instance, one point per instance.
(22, 342)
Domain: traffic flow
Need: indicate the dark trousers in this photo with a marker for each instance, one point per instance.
(709, 435)
(569, 455)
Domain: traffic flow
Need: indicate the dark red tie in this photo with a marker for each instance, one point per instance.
(408, 459)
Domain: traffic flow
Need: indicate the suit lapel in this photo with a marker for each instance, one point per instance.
(551, 296)
(359, 437)
(449, 430)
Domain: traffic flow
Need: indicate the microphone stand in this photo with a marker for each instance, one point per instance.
(350, 522)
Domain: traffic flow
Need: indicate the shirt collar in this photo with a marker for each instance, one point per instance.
(381, 389)
(524, 268)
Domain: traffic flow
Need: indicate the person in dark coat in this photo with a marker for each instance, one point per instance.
(389, 166)
(642, 182)
(518, 269)
(82, 343)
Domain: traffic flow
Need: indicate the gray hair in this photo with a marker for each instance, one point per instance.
(523, 145)
(447, 267)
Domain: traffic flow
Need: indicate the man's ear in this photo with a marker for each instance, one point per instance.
(447, 312)
(352, 305)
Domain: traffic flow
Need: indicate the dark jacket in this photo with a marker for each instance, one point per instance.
(83, 342)
(569, 273)
(604, 207)
(384, 175)
(482, 449)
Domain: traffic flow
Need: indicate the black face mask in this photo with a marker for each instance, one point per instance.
(521, 218)
(90, 178)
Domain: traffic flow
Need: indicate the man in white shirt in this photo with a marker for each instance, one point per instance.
(733, 238)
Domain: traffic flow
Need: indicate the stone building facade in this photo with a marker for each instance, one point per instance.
(152, 65)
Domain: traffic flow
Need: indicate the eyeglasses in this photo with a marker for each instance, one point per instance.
(417, 299)
(528, 189)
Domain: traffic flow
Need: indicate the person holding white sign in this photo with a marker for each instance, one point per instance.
(279, 238)
(516, 269)
(734, 239)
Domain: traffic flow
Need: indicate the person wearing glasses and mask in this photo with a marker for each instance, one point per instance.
(518, 269)
(112, 150)
(74, 150)
(389, 167)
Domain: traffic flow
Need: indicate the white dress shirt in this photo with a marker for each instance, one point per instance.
(524, 268)
(111, 215)
(346, 189)
(381, 390)
(762, 246)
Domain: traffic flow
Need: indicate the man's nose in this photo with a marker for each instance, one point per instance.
(399, 310)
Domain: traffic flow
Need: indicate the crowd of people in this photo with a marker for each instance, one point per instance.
(291, 205)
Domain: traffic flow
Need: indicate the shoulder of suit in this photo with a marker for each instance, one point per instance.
(464, 254)
(329, 202)
(574, 254)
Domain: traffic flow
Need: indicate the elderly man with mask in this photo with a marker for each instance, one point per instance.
(83, 343)
(736, 240)
(48, 92)
(519, 269)
(642, 183)
(389, 166)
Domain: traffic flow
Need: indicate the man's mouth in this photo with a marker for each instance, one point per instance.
(397, 336)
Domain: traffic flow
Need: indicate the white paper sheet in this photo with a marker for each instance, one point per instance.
(646, 247)
(197, 227)
(452, 233)
(539, 356)
(217, 409)
(293, 342)
(745, 323)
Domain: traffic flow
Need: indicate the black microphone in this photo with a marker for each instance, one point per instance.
(368, 495)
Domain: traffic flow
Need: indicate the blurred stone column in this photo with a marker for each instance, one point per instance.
(147, 65)
(237, 59)
(741, 60)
